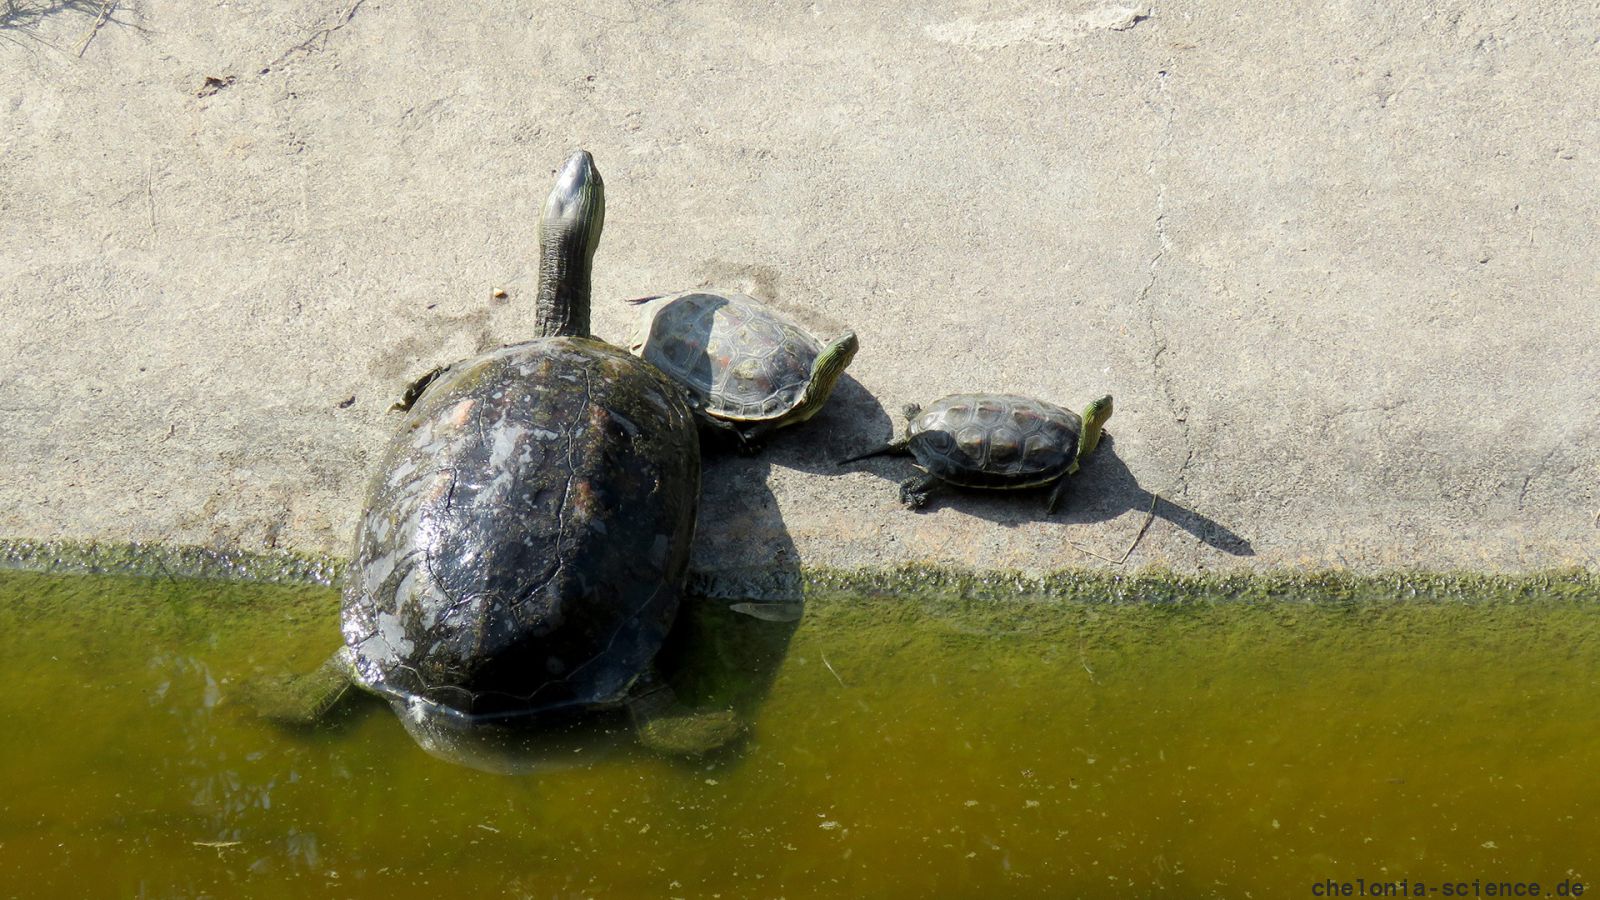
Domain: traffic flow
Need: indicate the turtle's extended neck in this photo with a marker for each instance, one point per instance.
(1094, 421)
(825, 372)
(569, 232)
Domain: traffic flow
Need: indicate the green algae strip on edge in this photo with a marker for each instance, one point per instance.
(952, 741)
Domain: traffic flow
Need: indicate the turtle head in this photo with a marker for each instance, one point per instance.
(833, 360)
(569, 232)
(825, 372)
(576, 208)
(1094, 420)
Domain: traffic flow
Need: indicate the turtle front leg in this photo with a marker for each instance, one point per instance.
(751, 440)
(304, 701)
(414, 390)
(914, 492)
(665, 725)
(745, 441)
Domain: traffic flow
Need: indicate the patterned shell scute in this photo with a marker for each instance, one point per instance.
(995, 440)
(526, 539)
(741, 359)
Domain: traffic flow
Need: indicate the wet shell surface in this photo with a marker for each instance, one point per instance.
(525, 542)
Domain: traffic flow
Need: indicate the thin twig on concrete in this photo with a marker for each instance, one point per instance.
(1148, 518)
(1082, 549)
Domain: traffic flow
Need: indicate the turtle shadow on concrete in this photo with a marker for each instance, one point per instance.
(851, 419)
(1105, 489)
(1102, 490)
(741, 541)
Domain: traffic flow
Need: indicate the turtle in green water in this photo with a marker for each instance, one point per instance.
(994, 441)
(747, 368)
(525, 542)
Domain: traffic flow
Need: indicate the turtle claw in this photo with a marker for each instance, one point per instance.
(914, 492)
(728, 436)
(746, 445)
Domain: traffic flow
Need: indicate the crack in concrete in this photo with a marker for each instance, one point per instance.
(1522, 495)
(1179, 409)
(1381, 407)
(321, 33)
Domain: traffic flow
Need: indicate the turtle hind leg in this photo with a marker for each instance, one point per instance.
(666, 726)
(914, 492)
(1058, 491)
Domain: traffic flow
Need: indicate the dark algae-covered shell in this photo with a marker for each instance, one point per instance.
(994, 441)
(747, 367)
(525, 542)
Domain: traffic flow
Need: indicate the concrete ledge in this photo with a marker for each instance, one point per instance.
(1336, 263)
(915, 583)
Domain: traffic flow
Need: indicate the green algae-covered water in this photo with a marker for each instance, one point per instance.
(937, 744)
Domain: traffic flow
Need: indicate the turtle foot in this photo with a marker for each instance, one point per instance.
(730, 437)
(686, 732)
(749, 446)
(914, 493)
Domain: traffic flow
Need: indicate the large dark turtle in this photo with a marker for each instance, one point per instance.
(748, 368)
(525, 543)
(994, 441)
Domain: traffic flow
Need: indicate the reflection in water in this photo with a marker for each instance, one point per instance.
(935, 745)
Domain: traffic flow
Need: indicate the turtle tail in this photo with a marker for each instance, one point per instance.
(893, 448)
(639, 301)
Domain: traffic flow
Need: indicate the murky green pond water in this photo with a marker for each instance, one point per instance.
(899, 747)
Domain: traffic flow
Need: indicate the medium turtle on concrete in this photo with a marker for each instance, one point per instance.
(747, 368)
(525, 543)
(994, 441)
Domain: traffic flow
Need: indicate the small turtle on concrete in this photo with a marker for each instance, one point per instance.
(994, 441)
(525, 543)
(748, 369)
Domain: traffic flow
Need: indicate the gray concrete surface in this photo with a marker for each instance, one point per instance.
(1335, 261)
